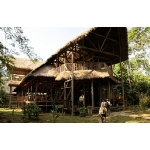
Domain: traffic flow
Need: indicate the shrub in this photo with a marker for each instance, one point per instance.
(83, 111)
(31, 111)
(144, 101)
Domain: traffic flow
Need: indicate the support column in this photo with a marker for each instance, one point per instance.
(65, 103)
(122, 82)
(72, 84)
(100, 93)
(122, 85)
(92, 94)
(18, 98)
(109, 90)
(35, 91)
(84, 93)
(22, 98)
(65, 94)
(10, 96)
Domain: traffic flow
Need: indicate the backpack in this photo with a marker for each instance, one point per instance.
(106, 104)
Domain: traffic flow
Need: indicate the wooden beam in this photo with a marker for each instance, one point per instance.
(97, 50)
(99, 35)
(91, 42)
(105, 39)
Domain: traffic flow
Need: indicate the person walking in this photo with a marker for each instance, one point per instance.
(81, 101)
(103, 111)
(108, 105)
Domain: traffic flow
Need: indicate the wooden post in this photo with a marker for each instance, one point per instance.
(65, 103)
(100, 93)
(109, 89)
(65, 94)
(72, 84)
(22, 99)
(84, 93)
(122, 85)
(10, 96)
(18, 96)
(92, 94)
(35, 91)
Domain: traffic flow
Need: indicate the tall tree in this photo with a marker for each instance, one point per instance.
(13, 39)
(139, 44)
(135, 82)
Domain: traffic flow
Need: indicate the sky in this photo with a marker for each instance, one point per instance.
(47, 40)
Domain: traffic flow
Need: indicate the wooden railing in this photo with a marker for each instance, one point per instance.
(16, 77)
(82, 66)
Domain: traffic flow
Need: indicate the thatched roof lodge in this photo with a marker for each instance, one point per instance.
(103, 44)
(20, 69)
(83, 65)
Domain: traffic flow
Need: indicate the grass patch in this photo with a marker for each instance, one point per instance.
(15, 116)
(119, 119)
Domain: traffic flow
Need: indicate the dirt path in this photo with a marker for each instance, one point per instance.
(134, 115)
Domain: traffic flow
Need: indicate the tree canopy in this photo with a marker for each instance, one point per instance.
(136, 69)
(12, 40)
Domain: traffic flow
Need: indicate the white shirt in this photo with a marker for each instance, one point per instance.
(81, 98)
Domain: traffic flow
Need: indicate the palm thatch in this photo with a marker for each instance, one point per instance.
(14, 83)
(85, 74)
(23, 63)
(107, 43)
(44, 71)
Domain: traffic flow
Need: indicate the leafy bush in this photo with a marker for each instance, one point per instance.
(83, 111)
(144, 101)
(31, 111)
(132, 97)
(3, 97)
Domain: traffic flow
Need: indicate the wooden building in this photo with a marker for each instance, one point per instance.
(83, 65)
(21, 68)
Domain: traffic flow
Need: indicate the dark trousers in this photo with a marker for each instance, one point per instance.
(80, 104)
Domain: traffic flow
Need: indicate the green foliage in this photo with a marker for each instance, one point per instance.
(13, 41)
(55, 115)
(31, 112)
(83, 111)
(135, 82)
(138, 38)
(16, 39)
(144, 101)
(139, 43)
(3, 97)
(54, 110)
(132, 97)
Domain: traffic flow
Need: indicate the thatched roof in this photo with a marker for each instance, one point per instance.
(108, 43)
(85, 74)
(24, 63)
(7, 88)
(43, 71)
(13, 83)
